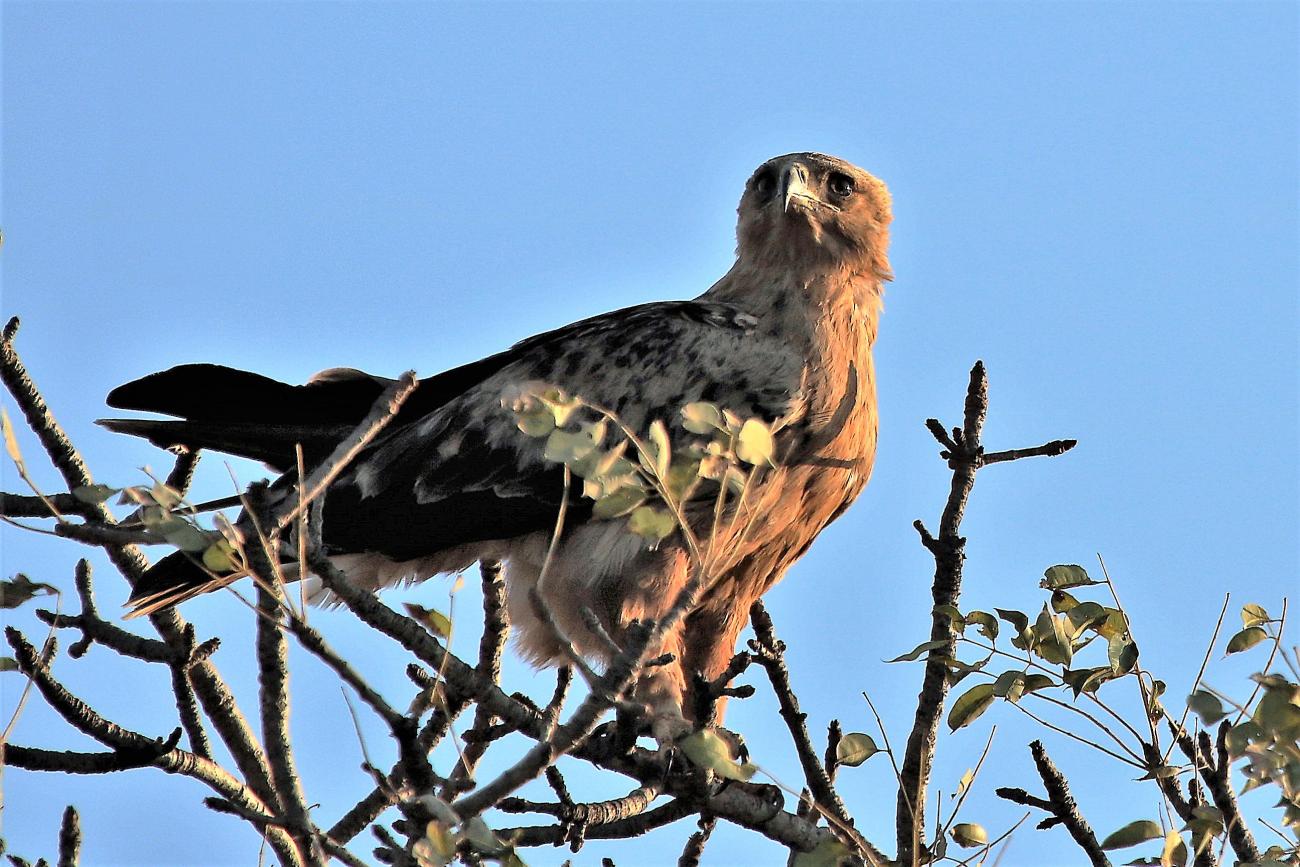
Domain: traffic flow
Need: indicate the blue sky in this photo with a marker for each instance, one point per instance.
(1099, 200)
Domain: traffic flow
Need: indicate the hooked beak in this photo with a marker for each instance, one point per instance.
(794, 186)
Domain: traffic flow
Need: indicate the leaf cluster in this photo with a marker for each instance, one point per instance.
(646, 479)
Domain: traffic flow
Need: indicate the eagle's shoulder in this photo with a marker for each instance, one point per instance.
(676, 316)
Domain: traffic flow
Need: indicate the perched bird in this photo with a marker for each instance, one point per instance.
(785, 336)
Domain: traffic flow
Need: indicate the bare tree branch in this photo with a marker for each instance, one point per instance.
(1060, 803)
(769, 652)
(213, 693)
(965, 455)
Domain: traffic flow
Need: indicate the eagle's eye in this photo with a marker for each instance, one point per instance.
(841, 185)
(764, 184)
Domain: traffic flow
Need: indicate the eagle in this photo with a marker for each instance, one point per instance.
(784, 337)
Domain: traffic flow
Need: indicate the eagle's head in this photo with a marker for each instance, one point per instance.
(811, 209)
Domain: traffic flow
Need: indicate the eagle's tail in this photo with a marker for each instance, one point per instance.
(244, 413)
(270, 443)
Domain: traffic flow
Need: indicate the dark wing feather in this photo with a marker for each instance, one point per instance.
(464, 473)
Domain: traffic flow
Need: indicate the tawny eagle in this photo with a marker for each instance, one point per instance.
(785, 335)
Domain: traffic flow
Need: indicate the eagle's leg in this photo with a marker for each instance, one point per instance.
(661, 689)
(643, 589)
(710, 643)
(646, 591)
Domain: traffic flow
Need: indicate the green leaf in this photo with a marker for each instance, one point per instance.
(714, 466)
(985, 622)
(8, 663)
(682, 477)
(956, 622)
(854, 749)
(1023, 638)
(1205, 824)
(828, 853)
(915, 653)
(708, 749)
(967, 708)
(436, 848)
(964, 783)
(1207, 706)
(477, 833)
(1083, 680)
(184, 535)
(431, 619)
(1065, 577)
(219, 557)
(1035, 682)
(600, 466)
(959, 668)
(1114, 624)
(1010, 685)
(1246, 639)
(1063, 602)
(968, 835)
(1018, 619)
(1241, 736)
(702, 417)
(11, 442)
(93, 494)
(1051, 639)
(560, 404)
(536, 422)
(1175, 851)
(1085, 615)
(22, 590)
(564, 446)
(1122, 653)
(1132, 834)
(165, 496)
(660, 448)
(1278, 715)
(755, 445)
(597, 465)
(1253, 615)
(618, 503)
(651, 523)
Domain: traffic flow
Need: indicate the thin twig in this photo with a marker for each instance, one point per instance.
(1272, 654)
(694, 849)
(768, 652)
(70, 838)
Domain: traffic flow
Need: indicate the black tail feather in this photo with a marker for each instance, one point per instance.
(272, 444)
(211, 392)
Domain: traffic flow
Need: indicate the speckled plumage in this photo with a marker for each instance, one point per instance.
(786, 334)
